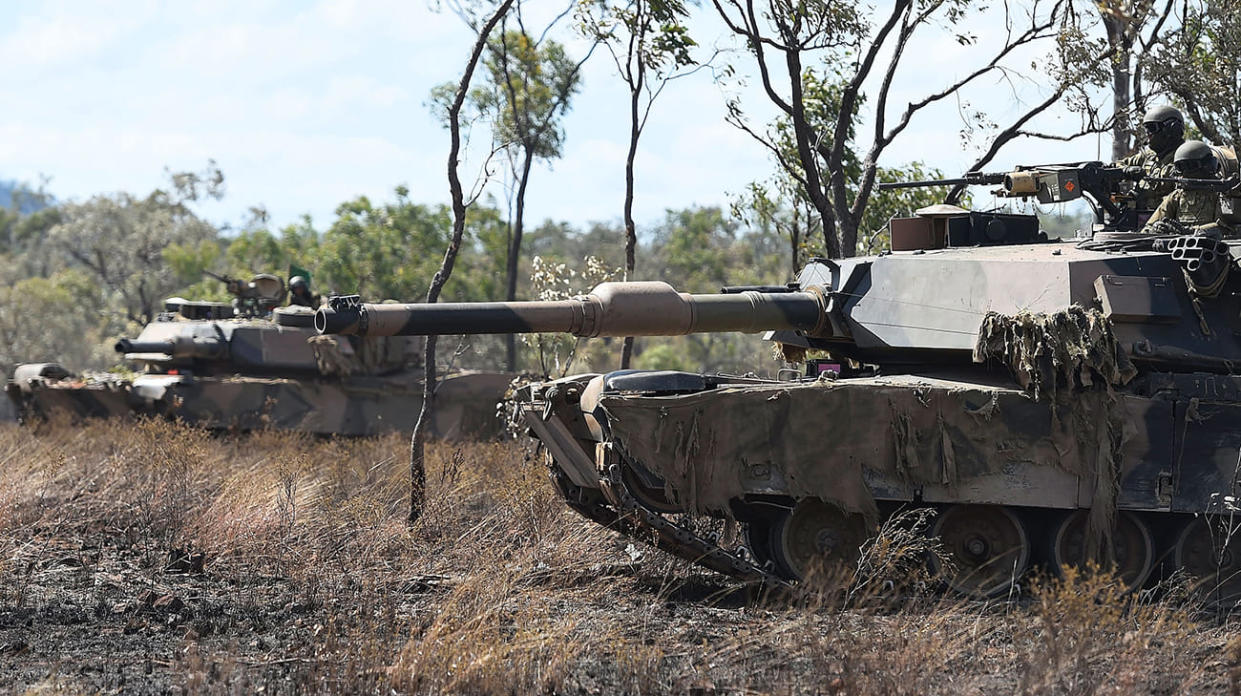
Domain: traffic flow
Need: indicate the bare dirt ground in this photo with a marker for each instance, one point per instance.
(147, 558)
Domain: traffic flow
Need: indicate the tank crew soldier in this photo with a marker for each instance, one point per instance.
(299, 293)
(1189, 211)
(1165, 132)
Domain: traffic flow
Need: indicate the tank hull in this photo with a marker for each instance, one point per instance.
(354, 406)
(1064, 472)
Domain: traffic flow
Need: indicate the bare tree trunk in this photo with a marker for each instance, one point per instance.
(631, 229)
(417, 442)
(514, 250)
(848, 235)
(795, 237)
(806, 155)
(1122, 125)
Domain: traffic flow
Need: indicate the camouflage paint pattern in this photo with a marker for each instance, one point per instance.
(249, 374)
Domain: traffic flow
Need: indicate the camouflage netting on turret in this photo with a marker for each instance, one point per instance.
(345, 356)
(1073, 348)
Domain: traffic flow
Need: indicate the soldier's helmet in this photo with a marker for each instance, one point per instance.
(1165, 128)
(298, 283)
(1195, 160)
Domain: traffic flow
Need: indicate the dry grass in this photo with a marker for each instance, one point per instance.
(313, 583)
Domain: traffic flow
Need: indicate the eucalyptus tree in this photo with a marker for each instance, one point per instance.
(452, 118)
(1201, 67)
(1135, 29)
(529, 83)
(868, 49)
(650, 45)
(123, 242)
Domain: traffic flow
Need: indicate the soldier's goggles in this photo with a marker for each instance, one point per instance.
(1195, 169)
(1153, 127)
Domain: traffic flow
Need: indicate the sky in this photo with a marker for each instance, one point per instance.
(304, 105)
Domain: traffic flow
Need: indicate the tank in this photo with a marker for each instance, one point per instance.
(1055, 402)
(253, 364)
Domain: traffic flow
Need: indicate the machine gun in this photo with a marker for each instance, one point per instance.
(257, 297)
(1213, 185)
(970, 179)
(1056, 183)
(235, 286)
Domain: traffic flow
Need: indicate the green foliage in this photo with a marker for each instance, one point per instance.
(60, 318)
(120, 241)
(527, 91)
(1201, 66)
(651, 33)
(189, 260)
(24, 224)
(665, 356)
(555, 354)
(821, 99)
(393, 250)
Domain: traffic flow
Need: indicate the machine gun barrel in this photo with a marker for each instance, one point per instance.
(1215, 185)
(648, 308)
(970, 179)
(183, 347)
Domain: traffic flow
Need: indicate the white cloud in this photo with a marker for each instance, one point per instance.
(63, 37)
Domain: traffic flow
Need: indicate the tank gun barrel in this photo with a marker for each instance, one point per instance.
(176, 348)
(648, 308)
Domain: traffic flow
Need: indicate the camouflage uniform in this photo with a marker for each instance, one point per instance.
(1149, 194)
(1196, 210)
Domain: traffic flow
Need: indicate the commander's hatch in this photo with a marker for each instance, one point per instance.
(179, 307)
(943, 225)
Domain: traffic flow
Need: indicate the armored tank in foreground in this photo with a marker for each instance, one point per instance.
(1054, 402)
(253, 364)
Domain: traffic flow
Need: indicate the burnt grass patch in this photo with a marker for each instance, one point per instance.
(150, 558)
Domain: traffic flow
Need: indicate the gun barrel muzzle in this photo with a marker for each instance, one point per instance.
(126, 345)
(180, 347)
(648, 308)
(1020, 183)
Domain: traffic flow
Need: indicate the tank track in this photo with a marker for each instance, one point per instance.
(619, 510)
(614, 507)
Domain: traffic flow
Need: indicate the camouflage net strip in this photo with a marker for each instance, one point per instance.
(1073, 349)
(344, 356)
(332, 359)
(1069, 349)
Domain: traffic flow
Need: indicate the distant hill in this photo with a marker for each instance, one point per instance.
(27, 203)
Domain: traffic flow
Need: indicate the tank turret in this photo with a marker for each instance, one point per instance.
(251, 364)
(1054, 402)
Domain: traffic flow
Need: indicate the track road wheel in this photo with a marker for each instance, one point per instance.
(1133, 551)
(1212, 558)
(988, 547)
(817, 541)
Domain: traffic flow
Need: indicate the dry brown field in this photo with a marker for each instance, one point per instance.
(149, 558)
